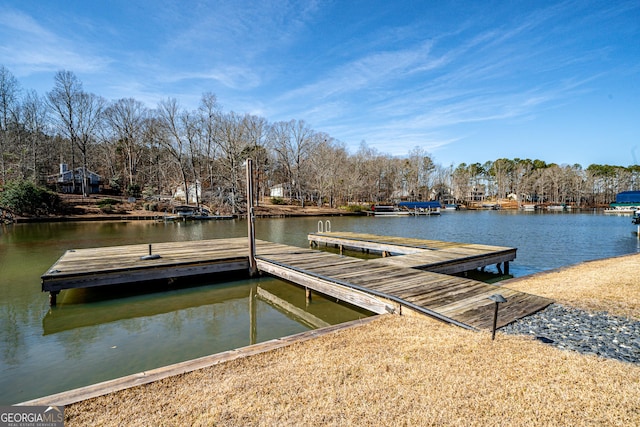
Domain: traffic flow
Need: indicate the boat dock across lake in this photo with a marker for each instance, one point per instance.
(413, 276)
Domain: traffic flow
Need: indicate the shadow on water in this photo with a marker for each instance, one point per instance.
(485, 276)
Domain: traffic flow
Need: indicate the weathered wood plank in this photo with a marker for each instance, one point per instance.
(352, 296)
(431, 255)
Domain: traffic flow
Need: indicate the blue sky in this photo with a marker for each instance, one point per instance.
(467, 81)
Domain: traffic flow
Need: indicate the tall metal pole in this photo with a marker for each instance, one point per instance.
(253, 269)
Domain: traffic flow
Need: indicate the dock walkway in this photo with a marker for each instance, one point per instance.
(430, 255)
(391, 288)
(390, 284)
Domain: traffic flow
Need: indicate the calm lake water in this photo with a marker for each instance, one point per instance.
(95, 335)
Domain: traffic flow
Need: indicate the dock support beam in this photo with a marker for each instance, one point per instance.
(53, 298)
(253, 269)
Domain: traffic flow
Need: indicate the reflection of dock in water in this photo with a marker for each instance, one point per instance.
(408, 279)
(71, 316)
(296, 313)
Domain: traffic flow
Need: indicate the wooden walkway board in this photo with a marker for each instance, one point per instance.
(459, 299)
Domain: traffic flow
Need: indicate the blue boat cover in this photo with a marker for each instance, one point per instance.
(628, 197)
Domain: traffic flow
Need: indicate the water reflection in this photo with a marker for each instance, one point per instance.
(94, 306)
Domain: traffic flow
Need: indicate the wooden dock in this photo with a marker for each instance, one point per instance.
(410, 281)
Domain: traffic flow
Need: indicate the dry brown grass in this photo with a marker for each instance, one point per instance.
(401, 371)
(395, 371)
(611, 284)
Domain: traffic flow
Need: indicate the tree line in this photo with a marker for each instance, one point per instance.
(142, 151)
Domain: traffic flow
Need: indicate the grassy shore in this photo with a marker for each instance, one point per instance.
(408, 371)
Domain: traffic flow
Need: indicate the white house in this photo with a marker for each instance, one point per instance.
(277, 190)
(194, 189)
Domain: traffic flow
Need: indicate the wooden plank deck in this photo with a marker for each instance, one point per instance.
(457, 300)
(430, 255)
(79, 268)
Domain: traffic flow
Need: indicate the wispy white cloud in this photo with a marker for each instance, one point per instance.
(29, 47)
(419, 93)
(233, 77)
(391, 79)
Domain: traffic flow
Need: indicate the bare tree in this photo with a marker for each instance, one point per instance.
(293, 144)
(172, 138)
(90, 108)
(418, 174)
(327, 166)
(192, 133)
(257, 130)
(126, 119)
(232, 143)
(63, 101)
(35, 124)
(9, 90)
(209, 118)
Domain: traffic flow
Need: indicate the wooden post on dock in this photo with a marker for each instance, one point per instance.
(53, 298)
(253, 269)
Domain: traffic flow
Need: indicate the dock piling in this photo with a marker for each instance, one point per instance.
(53, 298)
(253, 269)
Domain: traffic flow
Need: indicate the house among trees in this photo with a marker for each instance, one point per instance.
(277, 190)
(67, 181)
(475, 194)
(195, 193)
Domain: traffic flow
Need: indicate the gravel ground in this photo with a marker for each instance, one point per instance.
(582, 331)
